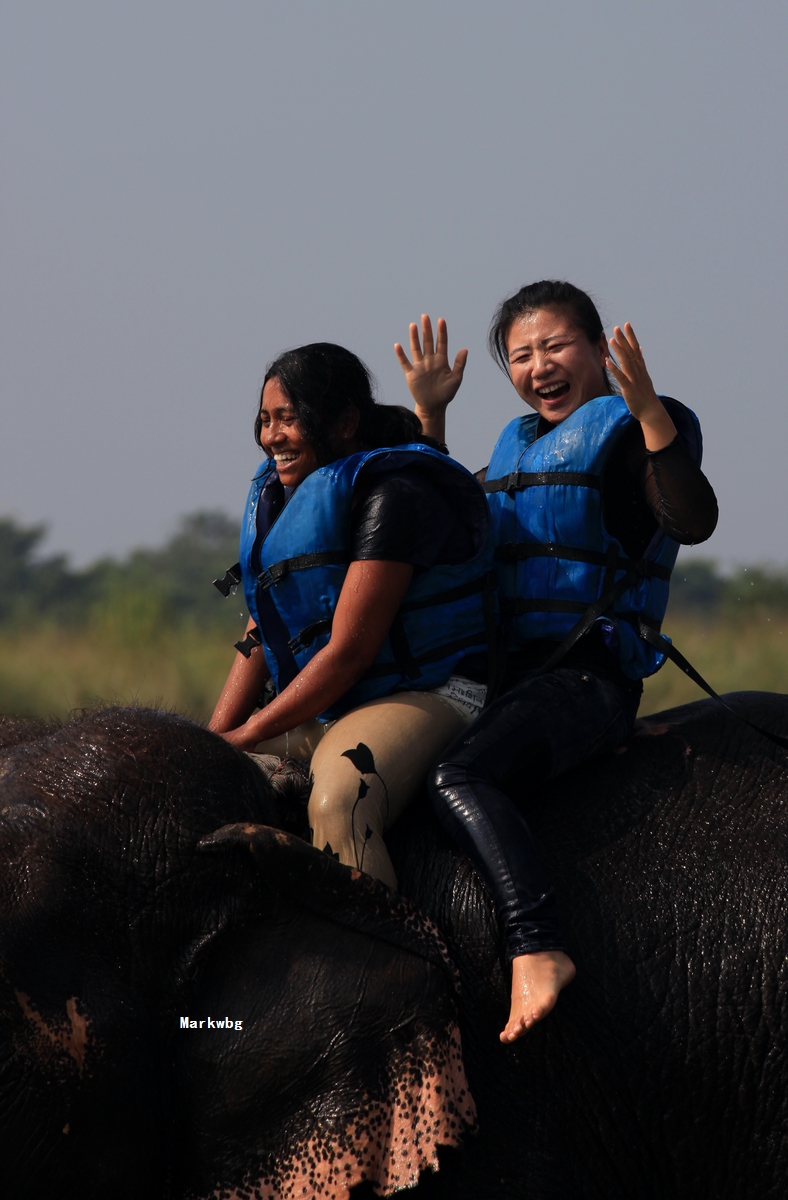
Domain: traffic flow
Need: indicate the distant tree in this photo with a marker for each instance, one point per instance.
(696, 587)
(151, 589)
(32, 589)
(755, 588)
(202, 548)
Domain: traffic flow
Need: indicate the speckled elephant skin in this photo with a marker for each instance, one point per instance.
(663, 1072)
(147, 873)
(132, 934)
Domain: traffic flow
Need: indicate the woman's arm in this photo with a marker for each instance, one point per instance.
(242, 691)
(676, 491)
(368, 603)
(432, 382)
(679, 495)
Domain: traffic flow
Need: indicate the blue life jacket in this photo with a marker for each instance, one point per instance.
(554, 555)
(295, 554)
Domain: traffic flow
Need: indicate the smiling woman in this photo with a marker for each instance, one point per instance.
(591, 494)
(282, 436)
(371, 625)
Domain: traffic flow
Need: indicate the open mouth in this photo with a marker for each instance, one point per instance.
(285, 458)
(553, 391)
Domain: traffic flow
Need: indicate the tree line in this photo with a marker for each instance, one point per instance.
(169, 587)
(148, 590)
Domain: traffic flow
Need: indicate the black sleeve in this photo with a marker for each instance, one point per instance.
(679, 494)
(665, 489)
(404, 518)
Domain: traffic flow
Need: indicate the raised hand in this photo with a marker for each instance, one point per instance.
(637, 389)
(432, 382)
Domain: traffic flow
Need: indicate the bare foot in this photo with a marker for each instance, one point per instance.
(536, 981)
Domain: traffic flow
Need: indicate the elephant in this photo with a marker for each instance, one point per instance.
(152, 875)
(159, 991)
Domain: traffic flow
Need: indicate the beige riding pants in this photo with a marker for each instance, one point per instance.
(367, 767)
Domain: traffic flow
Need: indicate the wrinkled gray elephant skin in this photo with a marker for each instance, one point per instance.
(148, 882)
(661, 1073)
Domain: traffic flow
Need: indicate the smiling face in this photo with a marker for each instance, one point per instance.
(554, 367)
(282, 437)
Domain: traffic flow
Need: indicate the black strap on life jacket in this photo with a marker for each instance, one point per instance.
(651, 635)
(302, 562)
(525, 479)
(456, 593)
(307, 635)
(590, 614)
(380, 670)
(519, 551)
(404, 660)
(495, 658)
(518, 606)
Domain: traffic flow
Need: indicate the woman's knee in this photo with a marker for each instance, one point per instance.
(450, 786)
(464, 765)
(446, 776)
(329, 807)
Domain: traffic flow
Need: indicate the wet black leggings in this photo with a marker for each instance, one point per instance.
(542, 726)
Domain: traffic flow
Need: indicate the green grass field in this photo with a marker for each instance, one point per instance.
(50, 672)
(733, 656)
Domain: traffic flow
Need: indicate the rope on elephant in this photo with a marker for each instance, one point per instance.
(667, 648)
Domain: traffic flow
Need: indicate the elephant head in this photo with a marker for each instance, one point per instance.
(193, 1000)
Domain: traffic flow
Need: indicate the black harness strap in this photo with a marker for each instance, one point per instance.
(611, 567)
(302, 562)
(379, 670)
(637, 619)
(590, 614)
(516, 606)
(457, 593)
(405, 663)
(496, 656)
(526, 479)
(518, 551)
(665, 647)
(651, 635)
(400, 646)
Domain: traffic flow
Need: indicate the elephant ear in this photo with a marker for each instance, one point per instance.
(348, 1067)
(343, 894)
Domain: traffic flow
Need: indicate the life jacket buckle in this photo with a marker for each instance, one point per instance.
(229, 581)
(271, 575)
(249, 643)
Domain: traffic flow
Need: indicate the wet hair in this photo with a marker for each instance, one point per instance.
(546, 293)
(322, 381)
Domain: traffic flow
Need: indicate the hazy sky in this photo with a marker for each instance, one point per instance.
(189, 187)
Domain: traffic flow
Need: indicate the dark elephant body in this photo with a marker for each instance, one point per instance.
(123, 914)
(662, 1072)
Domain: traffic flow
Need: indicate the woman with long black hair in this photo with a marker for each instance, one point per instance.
(591, 494)
(370, 621)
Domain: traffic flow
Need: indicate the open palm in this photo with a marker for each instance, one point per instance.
(432, 382)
